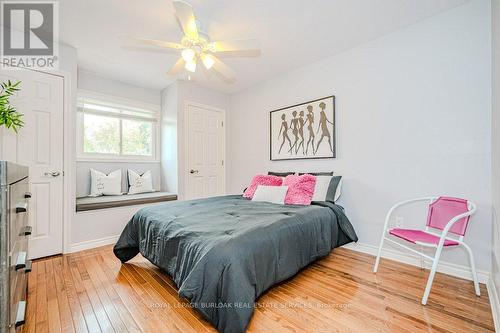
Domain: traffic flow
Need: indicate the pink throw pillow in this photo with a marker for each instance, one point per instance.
(267, 180)
(300, 189)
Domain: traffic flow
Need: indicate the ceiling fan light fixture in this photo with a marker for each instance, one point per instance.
(208, 60)
(196, 45)
(188, 55)
(191, 66)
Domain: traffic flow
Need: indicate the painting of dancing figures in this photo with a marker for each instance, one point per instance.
(304, 131)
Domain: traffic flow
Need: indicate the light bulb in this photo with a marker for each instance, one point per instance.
(188, 55)
(208, 60)
(191, 66)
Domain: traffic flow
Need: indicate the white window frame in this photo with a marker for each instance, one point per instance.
(117, 102)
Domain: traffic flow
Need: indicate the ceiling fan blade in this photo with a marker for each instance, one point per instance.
(223, 69)
(186, 19)
(155, 42)
(149, 49)
(177, 67)
(242, 47)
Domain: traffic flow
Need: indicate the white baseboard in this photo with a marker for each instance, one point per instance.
(494, 302)
(80, 246)
(406, 258)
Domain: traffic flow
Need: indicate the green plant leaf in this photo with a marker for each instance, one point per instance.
(9, 117)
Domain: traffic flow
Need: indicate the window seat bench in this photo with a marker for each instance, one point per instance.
(111, 201)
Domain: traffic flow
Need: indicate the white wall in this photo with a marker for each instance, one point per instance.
(95, 228)
(169, 144)
(495, 150)
(174, 99)
(95, 82)
(413, 119)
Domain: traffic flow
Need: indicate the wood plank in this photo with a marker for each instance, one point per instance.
(97, 274)
(92, 291)
(171, 318)
(54, 319)
(104, 299)
(142, 313)
(74, 302)
(97, 307)
(62, 298)
(88, 311)
(41, 300)
(170, 301)
(170, 287)
(30, 326)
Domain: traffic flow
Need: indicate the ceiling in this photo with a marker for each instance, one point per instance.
(292, 33)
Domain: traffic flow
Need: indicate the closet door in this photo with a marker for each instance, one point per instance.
(39, 145)
(205, 152)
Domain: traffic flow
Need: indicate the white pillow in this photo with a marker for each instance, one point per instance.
(102, 184)
(321, 188)
(273, 194)
(138, 183)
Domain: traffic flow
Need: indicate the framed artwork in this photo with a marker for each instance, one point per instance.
(304, 131)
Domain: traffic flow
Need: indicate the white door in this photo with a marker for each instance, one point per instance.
(39, 145)
(205, 152)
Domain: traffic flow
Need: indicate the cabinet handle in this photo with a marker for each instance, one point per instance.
(26, 231)
(21, 311)
(27, 269)
(53, 173)
(21, 261)
(27, 195)
(21, 207)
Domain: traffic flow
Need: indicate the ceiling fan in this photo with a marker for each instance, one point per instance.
(196, 46)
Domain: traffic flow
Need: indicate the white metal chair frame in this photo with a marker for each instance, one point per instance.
(439, 247)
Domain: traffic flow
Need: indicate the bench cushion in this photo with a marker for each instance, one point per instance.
(111, 201)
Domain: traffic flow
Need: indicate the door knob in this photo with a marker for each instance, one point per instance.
(53, 173)
(193, 171)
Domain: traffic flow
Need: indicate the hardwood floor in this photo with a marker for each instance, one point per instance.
(91, 291)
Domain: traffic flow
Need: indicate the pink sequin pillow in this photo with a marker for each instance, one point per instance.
(267, 180)
(300, 189)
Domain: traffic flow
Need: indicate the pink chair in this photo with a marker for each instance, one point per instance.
(447, 222)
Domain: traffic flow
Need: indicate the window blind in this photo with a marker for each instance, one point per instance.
(104, 107)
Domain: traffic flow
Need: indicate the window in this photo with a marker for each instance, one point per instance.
(111, 128)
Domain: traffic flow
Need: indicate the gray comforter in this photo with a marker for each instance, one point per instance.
(224, 252)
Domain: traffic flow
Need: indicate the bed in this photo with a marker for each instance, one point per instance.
(224, 252)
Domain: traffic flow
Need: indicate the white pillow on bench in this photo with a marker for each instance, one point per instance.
(102, 184)
(139, 183)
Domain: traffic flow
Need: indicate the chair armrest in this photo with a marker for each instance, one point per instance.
(402, 203)
(454, 220)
